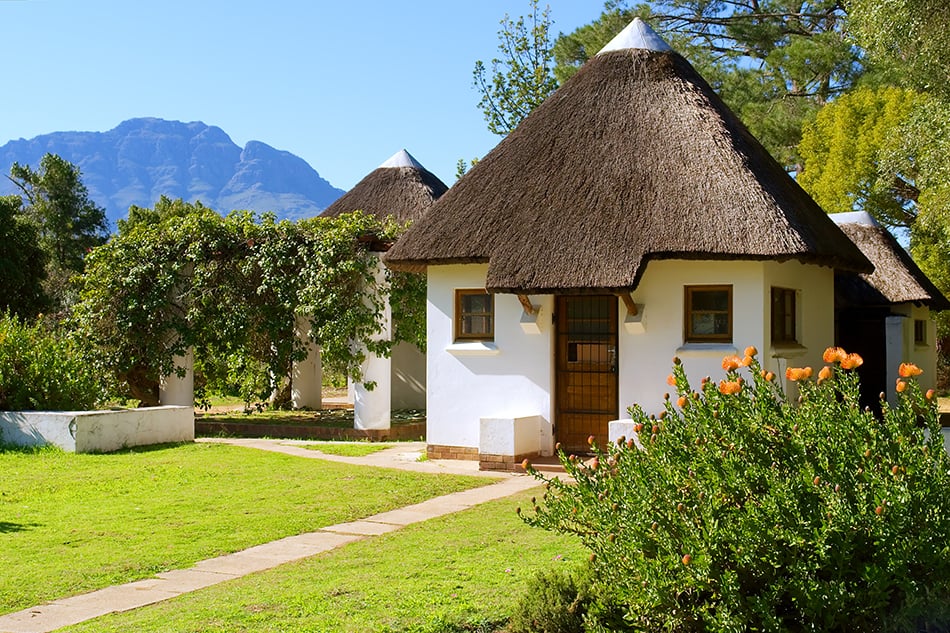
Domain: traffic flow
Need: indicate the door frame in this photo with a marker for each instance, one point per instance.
(609, 410)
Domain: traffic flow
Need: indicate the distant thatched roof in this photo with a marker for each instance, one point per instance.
(896, 277)
(400, 187)
(634, 158)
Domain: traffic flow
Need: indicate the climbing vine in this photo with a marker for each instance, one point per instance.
(233, 289)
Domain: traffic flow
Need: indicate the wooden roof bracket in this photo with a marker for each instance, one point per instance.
(530, 321)
(627, 299)
(526, 304)
(634, 322)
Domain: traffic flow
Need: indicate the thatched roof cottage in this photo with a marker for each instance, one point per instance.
(630, 217)
(401, 187)
(885, 315)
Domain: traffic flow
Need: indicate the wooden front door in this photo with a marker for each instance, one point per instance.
(586, 369)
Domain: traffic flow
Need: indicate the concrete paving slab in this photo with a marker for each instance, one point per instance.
(47, 617)
(362, 528)
(404, 516)
(297, 547)
(237, 564)
(76, 609)
(185, 580)
(321, 541)
(271, 555)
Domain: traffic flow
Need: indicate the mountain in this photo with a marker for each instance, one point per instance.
(143, 159)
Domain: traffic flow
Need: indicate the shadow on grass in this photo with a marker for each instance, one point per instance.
(148, 448)
(29, 450)
(8, 527)
(50, 448)
(327, 418)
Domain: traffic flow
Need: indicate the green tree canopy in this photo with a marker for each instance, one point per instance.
(22, 262)
(911, 35)
(522, 77)
(67, 221)
(856, 156)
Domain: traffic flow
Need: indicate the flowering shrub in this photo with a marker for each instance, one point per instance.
(733, 509)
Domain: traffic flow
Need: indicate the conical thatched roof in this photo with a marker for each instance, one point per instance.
(400, 187)
(634, 158)
(896, 277)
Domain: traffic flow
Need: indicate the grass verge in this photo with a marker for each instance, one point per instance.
(347, 449)
(72, 523)
(461, 572)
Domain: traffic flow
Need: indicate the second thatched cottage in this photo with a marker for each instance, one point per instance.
(630, 218)
(401, 189)
(885, 316)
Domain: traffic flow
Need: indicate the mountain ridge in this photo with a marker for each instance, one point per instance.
(141, 159)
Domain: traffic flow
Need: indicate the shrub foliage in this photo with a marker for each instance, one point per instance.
(233, 288)
(42, 370)
(736, 510)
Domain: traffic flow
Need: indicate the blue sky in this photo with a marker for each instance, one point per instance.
(344, 85)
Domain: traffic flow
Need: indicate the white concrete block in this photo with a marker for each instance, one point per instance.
(98, 431)
(510, 436)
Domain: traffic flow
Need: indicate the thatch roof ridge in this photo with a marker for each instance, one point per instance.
(634, 158)
(896, 278)
(401, 188)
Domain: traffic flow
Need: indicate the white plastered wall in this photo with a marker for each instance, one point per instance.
(903, 349)
(510, 377)
(815, 318)
(646, 358)
(513, 376)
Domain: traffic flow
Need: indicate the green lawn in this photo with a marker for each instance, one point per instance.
(72, 523)
(461, 572)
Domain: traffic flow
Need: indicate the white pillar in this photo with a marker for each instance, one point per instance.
(179, 390)
(306, 381)
(373, 409)
(894, 353)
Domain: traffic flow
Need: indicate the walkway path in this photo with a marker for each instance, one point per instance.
(75, 609)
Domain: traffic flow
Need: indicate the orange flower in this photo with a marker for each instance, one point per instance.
(681, 402)
(730, 388)
(747, 361)
(806, 372)
(901, 385)
(730, 363)
(769, 376)
(930, 394)
(851, 361)
(796, 373)
(751, 351)
(909, 370)
(834, 355)
(671, 380)
(824, 374)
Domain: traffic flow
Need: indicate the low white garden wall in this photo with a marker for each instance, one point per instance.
(98, 431)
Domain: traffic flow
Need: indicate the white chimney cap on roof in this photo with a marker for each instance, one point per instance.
(637, 34)
(402, 158)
